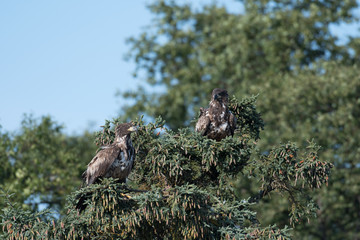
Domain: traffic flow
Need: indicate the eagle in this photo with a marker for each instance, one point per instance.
(217, 122)
(114, 160)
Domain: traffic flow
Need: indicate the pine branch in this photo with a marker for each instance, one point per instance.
(261, 194)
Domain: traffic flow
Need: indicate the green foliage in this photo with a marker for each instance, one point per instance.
(249, 121)
(309, 89)
(182, 212)
(288, 172)
(190, 52)
(182, 187)
(36, 162)
(307, 81)
(324, 107)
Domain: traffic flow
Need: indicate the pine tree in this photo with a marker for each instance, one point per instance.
(183, 186)
(307, 80)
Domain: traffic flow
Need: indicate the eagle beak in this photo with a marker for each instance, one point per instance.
(133, 129)
(216, 97)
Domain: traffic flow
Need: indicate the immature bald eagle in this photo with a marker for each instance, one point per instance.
(115, 160)
(217, 122)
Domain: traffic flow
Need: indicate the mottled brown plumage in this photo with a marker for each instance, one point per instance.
(217, 122)
(115, 160)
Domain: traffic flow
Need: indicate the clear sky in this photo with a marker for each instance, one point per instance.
(65, 59)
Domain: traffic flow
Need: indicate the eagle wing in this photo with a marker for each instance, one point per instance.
(232, 123)
(203, 122)
(100, 164)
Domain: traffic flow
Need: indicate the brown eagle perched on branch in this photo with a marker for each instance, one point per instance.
(114, 160)
(217, 122)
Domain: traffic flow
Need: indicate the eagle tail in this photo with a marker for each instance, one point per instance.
(81, 201)
(82, 197)
(84, 178)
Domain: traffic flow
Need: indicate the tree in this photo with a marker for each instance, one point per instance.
(182, 187)
(189, 52)
(41, 164)
(282, 50)
(308, 87)
(325, 107)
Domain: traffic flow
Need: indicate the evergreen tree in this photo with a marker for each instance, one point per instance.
(183, 187)
(307, 81)
(309, 88)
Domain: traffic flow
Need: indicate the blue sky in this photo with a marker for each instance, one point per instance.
(65, 59)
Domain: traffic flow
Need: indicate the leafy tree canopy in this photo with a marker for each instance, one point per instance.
(182, 187)
(41, 164)
(190, 52)
(308, 86)
(307, 81)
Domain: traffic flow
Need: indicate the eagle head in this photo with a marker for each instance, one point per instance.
(220, 95)
(124, 129)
